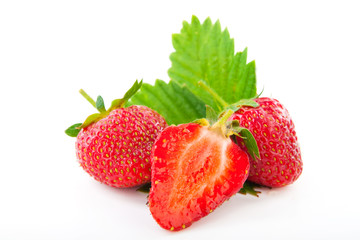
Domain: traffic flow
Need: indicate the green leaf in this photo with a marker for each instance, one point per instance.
(135, 87)
(73, 130)
(203, 52)
(144, 188)
(119, 103)
(243, 102)
(211, 115)
(249, 188)
(174, 102)
(93, 118)
(246, 102)
(250, 142)
(100, 104)
(218, 101)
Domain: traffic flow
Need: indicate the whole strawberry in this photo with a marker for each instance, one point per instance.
(114, 146)
(195, 168)
(280, 161)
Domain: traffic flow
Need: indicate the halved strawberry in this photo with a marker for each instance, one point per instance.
(195, 168)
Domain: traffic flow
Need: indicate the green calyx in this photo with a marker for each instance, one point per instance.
(231, 128)
(249, 188)
(74, 130)
(221, 124)
(247, 137)
(100, 106)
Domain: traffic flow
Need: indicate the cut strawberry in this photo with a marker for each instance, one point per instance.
(195, 168)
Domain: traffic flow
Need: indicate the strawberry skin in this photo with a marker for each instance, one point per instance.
(194, 170)
(280, 161)
(116, 149)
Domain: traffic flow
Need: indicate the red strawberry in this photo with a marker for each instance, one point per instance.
(280, 159)
(195, 168)
(115, 147)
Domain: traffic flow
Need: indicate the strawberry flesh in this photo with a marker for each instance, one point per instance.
(194, 170)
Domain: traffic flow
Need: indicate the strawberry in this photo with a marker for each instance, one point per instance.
(195, 168)
(114, 146)
(280, 161)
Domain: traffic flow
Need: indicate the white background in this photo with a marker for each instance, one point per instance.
(307, 56)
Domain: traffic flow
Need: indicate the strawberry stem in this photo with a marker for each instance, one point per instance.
(219, 99)
(87, 97)
(221, 123)
(224, 117)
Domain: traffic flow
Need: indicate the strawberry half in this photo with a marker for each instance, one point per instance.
(280, 161)
(195, 168)
(114, 146)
